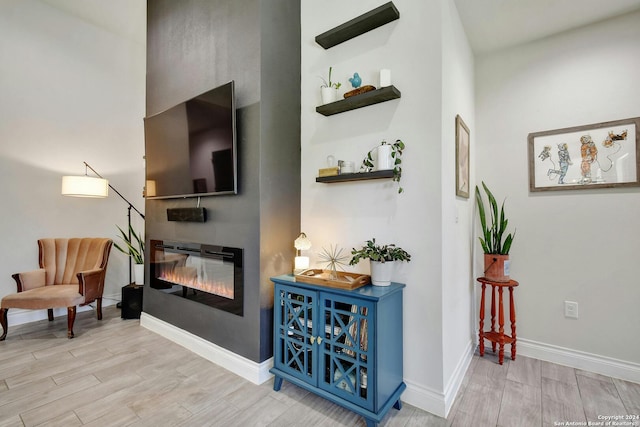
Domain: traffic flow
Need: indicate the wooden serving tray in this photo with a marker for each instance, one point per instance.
(317, 276)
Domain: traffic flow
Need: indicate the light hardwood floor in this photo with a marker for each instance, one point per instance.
(116, 373)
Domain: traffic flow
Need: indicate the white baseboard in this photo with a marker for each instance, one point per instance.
(252, 371)
(424, 398)
(19, 316)
(434, 401)
(453, 386)
(604, 365)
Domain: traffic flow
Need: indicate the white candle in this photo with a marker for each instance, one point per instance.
(385, 77)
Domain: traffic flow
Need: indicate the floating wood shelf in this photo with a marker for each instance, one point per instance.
(358, 101)
(373, 19)
(356, 176)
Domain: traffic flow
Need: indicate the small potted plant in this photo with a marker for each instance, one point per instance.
(495, 243)
(382, 259)
(388, 156)
(134, 247)
(329, 89)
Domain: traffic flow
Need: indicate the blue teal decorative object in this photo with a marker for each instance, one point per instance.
(356, 81)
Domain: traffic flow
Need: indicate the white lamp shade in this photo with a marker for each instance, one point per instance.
(150, 189)
(301, 263)
(302, 243)
(84, 186)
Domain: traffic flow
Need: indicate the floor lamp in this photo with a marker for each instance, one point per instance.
(96, 187)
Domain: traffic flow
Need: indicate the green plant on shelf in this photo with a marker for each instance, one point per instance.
(329, 83)
(397, 149)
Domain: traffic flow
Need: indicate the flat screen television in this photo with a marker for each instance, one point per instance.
(191, 148)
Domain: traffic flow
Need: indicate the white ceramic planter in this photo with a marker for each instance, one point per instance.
(138, 274)
(383, 159)
(329, 95)
(381, 272)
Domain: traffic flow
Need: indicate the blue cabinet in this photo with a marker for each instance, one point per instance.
(344, 345)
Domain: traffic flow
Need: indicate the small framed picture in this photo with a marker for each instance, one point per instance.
(600, 155)
(462, 158)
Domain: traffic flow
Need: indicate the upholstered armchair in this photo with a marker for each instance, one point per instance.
(71, 273)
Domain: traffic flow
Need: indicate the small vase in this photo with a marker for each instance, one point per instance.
(497, 267)
(138, 274)
(383, 161)
(381, 272)
(329, 95)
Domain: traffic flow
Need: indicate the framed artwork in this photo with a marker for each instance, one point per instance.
(601, 155)
(462, 158)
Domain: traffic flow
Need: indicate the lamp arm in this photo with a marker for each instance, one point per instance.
(117, 192)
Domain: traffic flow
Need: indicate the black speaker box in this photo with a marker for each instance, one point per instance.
(131, 305)
(187, 214)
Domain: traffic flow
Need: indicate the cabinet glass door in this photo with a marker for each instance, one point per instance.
(345, 360)
(295, 342)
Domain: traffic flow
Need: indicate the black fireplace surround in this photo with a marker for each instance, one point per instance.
(208, 274)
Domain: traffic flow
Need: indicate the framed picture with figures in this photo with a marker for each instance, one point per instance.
(601, 155)
(462, 158)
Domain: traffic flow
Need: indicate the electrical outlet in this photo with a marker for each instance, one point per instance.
(571, 309)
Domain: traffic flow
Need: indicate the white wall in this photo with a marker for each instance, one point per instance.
(72, 91)
(348, 214)
(580, 246)
(458, 324)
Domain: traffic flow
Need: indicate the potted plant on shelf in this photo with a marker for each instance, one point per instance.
(134, 247)
(329, 89)
(495, 243)
(388, 156)
(382, 259)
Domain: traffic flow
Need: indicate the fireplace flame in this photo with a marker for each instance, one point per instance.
(188, 276)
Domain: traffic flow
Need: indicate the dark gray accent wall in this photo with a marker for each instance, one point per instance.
(194, 46)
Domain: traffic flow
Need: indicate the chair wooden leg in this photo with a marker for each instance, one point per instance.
(99, 308)
(50, 314)
(71, 317)
(3, 321)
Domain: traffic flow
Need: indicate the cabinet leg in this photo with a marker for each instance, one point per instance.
(277, 383)
(398, 404)
(370, 423)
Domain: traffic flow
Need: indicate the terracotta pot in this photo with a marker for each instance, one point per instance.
(497, 267)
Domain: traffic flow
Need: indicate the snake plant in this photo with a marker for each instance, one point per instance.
(493, 238)
(134, 245)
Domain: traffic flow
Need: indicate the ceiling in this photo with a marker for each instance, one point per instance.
(496, 24)
(126, 18)
(490, 24)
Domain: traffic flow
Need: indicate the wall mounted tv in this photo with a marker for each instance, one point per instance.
(191, 149)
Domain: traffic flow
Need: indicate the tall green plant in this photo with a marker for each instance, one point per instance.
(493, 239)
(134, 245)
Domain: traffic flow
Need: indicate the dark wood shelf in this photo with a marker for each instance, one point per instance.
(356, 176)
(358, 101)
(373, 19)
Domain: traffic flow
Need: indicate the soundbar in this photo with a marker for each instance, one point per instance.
(187, 214)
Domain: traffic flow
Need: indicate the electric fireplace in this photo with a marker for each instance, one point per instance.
(208, 274)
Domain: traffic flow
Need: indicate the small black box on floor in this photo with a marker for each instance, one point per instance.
(187, 214)
(131, 301)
